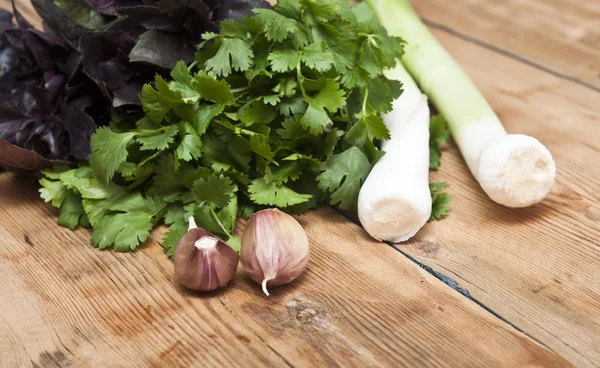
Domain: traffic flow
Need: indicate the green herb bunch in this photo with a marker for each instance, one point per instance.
(280, 110)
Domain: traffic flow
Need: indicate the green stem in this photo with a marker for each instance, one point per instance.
(192, 65)
(245, 132)
(152, 132)
(364, 112)
(364, 103)
(232, 241)
(241, 89)
(216, 218)
(150, 158)
(300, 78)
(159, 209)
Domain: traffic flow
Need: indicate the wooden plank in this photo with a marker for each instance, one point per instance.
(26, 9)
(360, 303)
(538, 267)
(560, 35)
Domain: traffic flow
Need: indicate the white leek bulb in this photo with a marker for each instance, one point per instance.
(395, 201)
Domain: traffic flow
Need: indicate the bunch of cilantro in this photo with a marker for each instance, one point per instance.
(279, 110)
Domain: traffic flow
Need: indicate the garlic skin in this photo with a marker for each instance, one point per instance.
(204, 262)
(275, 248)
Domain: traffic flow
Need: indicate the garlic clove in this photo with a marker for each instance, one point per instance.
(204, 262)
(275, 249)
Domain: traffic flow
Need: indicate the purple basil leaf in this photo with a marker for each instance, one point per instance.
(56, 20)
(151, 17)
(9, 55)
(124, 33)
(161, 49)
(54, 84)
(14, 37)
(128, 95)
(38, 102)
(15, 157)
(106, 7)
(130, 3)
(48, 140)
(81, 13)
(80, 127)
(5, 19)
(183, 7)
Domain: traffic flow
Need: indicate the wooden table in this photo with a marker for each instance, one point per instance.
(488, 286)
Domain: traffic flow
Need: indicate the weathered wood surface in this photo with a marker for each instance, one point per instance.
(560, 36)
(360, 302)
(539, 268)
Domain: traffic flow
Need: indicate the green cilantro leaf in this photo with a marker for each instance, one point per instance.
(372, 57)
(331, 97)
(440, 200)
(276, 26)
(256, 113)
(83, 181)
(212, 89)
(215, 190)
(316, 57)
(201, 116)
(232, 28)
(272, 100)
(372, 125)
(53, 191)
(274, 194)
(380, 95)
(182, 83)
(234, 53)
(109, 151)
(438, 135)
(316, 120)
(342, 175)
(123, 231)
(177, 217)
(290, 129)
(292, 106)
(286, 87)
(71, 211)
(167, 179)
(96, 209)
(260, 145)
(284, 173)
(283, 60)
(190, 147)
(158, 102)
(159, 141)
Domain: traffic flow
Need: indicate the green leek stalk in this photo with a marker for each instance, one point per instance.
(515, 170)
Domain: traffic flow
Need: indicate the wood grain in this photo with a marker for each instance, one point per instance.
(539, 268)
(360, 303)
(562, 36)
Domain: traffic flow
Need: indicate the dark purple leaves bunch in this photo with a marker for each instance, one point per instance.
(57, 86)
(124, 43)
(44, 100)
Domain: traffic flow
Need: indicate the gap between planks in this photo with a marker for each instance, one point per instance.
(450, 282)
(503, 52)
